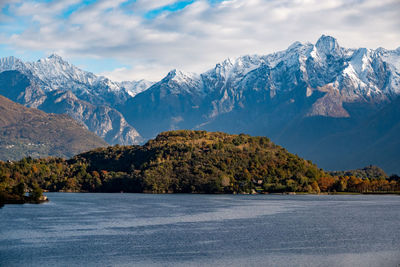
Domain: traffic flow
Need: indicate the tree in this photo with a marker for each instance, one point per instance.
(19, 190)
(315, 187)
(340, 185)
(326, 183)
(36, 193)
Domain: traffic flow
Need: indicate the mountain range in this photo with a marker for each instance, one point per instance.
(53, 85)
(336, 106)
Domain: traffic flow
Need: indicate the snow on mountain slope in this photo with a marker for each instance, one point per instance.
(355, 73)
(55, 73)
(347, 75)
(177, 82)
(12, 63)
(59, 74)
(336, 74)
(136, 87)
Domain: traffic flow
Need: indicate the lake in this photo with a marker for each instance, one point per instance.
(196, 230)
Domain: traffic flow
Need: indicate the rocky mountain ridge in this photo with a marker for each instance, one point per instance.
(54, 85)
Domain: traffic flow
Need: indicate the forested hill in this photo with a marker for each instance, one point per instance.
(200, 161)
(185, 162)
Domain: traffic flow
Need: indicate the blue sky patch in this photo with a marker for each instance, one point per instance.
(171, 8)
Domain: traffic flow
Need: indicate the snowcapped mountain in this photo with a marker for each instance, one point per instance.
(54, 73)
(178, 82)
(88, 98)
(57, 73)
(343, 75)
(12, 63)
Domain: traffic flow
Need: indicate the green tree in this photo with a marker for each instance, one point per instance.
(36, 193)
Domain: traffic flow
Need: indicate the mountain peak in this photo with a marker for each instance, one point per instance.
(178, 75)
(179, 81)
(327, 45)
(10, 58)
(326, 39)
(295, 45)
(228, 62)
(56, 58)
(11, 63)
(173, 73)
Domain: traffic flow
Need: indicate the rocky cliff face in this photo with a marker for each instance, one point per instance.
(106, 122)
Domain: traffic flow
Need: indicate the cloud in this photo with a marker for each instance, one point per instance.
(136, 72)
(147, 5)
(199, 35)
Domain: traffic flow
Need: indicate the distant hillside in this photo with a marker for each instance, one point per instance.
(31, 132)
(370, 172)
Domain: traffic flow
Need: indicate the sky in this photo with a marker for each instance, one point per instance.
(145, 39)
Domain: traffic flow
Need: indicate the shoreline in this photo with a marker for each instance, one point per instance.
(25, 200)
(197, 193)
(44, 199)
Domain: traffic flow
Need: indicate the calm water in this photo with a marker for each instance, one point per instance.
(220, 230)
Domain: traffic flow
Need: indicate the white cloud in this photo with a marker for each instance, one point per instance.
(202, 34)
(136, 72)
(146, 5)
